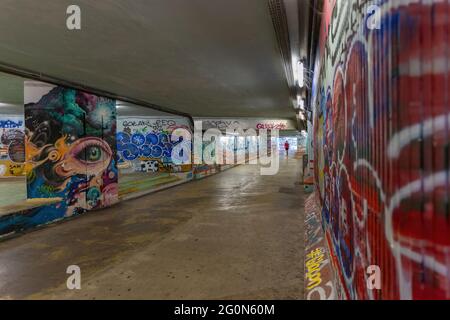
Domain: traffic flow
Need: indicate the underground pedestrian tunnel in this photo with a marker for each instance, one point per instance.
(230, 150)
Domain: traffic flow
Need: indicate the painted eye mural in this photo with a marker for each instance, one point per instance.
(70, 149)
(93, 153)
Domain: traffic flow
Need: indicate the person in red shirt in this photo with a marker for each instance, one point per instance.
(286, 147)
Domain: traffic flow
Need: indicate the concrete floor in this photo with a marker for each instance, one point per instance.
(235, 235)
(140, 182)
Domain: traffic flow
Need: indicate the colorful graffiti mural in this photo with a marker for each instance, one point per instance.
(70, 155)
(70, 149)
(145, 144)
(381, 130)
(12, 145)
(224, 124)
(319, 276)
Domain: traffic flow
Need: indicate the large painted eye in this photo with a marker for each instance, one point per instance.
(91, 151)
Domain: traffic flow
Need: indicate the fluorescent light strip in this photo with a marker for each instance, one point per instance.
(301, 74)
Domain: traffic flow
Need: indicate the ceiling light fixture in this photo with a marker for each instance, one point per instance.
(120, 105)
(11, 105)
(300, 103)
(301, 74)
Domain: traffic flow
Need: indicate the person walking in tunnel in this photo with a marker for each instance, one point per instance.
(286, 147)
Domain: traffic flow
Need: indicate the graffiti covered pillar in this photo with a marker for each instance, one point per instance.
(70, 149)
(381, 128)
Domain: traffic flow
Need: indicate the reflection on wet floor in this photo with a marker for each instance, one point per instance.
(235, 235)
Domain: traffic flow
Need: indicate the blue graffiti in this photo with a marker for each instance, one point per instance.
(152, 145)
(8, 124)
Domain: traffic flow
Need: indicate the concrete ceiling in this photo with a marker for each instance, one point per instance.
(204, 57)
(125, 109)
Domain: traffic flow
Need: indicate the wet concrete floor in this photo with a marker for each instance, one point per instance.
(235, 235)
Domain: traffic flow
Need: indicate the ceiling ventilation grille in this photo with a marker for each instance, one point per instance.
(279, 20)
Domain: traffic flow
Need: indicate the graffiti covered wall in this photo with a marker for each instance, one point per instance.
(12, 147)
(246, 123)
(145, 144)
(70, 149)
(381, 134)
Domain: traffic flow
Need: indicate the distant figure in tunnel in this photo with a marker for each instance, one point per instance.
(286, 147)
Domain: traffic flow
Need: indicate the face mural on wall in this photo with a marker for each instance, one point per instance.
(70, 148)
(12, 147)
(381, 125)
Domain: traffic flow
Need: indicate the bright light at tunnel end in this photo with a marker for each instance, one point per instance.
(212, 147)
